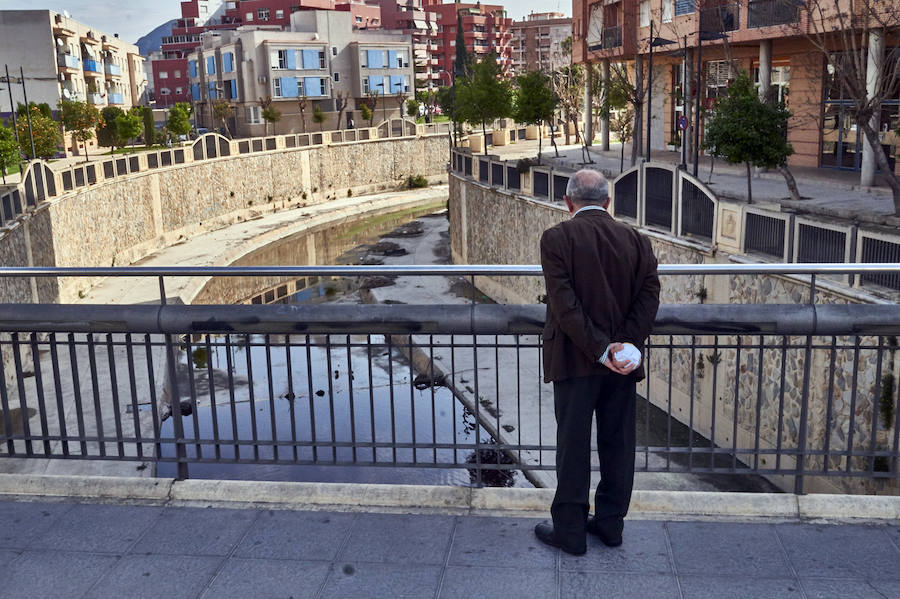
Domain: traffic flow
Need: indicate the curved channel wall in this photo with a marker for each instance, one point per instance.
(118, 220)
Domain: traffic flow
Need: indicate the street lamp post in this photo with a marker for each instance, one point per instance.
(27, 114)
(654, 43)
(12, 106)
(383, 101)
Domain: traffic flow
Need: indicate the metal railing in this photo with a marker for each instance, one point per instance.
(767, 13)
(793, 390)
(724, 17)
(611, 37)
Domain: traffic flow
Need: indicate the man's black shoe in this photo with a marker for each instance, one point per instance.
(545, 534)
(609, 532)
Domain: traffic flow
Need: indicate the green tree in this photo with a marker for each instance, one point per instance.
(179, 122)
(446, 99)
(534, 101)
(47, 137)
(270, 114)
(319, 117)
(43, 107)
(485, 96)
(366, 113)
(741, 128)
(616, 106)
(149, 126)
(107, 135)
(80, 119)
(9, 150)
(222, 111)
(129, 126)
(412, 108)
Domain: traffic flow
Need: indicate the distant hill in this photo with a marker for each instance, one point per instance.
(153, 40)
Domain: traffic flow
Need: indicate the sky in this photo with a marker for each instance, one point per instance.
(133, 18)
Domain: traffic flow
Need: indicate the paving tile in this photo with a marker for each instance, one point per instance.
(463, 582)
(242, 578)
(295, 535)
(196, 531)
(53, 574)
(154, 576)
(617, 584)
(727, 548)
(824, 588)
(399, 538)
(98, 528)
(643, 550)
(349, 580)
(739, 587)
(840, 551)
(22, 521)
(503, 542)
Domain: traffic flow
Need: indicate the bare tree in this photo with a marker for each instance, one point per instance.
(850, 36)
(340, 102)
(302, 105)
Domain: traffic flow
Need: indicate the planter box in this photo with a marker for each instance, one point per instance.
(501, 137)
(533, 132)
(476, 144)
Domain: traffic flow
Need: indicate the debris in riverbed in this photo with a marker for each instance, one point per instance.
(423, 381)
(388, 248)
(413, 229)
(186, 408)
(320, 393)
(375, 282)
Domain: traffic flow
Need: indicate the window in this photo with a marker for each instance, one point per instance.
(253, 115)
(337, 77)
(780, 84)
(363, 59)
(163, 75)
(645, 13)
(277, 81)
(684, 7)
(358, 19)
(279, 14)
(334, 50)
(248, 17)
(668, 9)
(263, 14)
(166, 91)
(719, 74)
(177, 74)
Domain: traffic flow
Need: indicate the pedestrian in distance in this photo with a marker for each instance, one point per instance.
(602, 298)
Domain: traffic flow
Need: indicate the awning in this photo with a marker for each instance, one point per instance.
(420, 24)
(432, 25)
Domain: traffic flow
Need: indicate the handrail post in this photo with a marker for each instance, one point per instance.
(174, 398)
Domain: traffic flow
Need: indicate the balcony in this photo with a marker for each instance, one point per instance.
(95, 99)
(117, 99)
(113, 70)
(67, 61)
(611, 37)
(718, 19)
(92, 66)
(769, 13)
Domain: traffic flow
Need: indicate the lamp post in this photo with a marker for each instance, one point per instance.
(702, 35)
(12, 107)
(27, 114)
(654, 43)
(383, 101)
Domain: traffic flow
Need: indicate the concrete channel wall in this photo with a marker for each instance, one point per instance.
(495, 226)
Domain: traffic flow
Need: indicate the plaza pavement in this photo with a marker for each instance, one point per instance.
(83, 548)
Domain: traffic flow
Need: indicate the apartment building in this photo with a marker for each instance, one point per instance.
(410, 17)
(486, 30)
(537, 42)
(760, 37)
(66, 60)
(320, 58)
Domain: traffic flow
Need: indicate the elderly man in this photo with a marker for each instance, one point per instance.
(602, 297)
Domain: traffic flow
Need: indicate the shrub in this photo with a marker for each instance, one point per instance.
(416, 182)
(524, 165)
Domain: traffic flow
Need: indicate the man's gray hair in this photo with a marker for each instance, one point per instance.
(588, 186)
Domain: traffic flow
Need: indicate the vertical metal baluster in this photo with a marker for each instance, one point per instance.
(154, 409)
(23, 402)
(331, 398)
(453, 399)
(412, 402)
(57, 386)
(478, 466)
(669, 415)
(292, 397)
(715, 388)
(39, 386)
(780, 433)
(4, 404)
(390, 350)
(371, 398)
(254, 431)
(213, 409)
(352, 399)
(896, 450)
(691, 403)
(804, 411)
(737, 405)
(829, 408)
(114, 385)
(853, 394)
(759, 396)
(647, 411)
(76, 388)
(540, 388)
(132, 387)
(272, 418)
(229, 364)
(192, 388)
(519, 397)
(876, 407)
(497, 394)
(92, 360)
(434, 438)
(312, 406)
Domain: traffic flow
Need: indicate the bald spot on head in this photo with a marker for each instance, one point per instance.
(586, 187)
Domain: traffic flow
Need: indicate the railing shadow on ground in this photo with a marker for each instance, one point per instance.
(796, 393)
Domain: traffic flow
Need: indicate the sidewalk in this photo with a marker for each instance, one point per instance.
(65, 550)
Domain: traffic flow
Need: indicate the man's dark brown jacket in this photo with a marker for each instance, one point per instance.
(602, 287)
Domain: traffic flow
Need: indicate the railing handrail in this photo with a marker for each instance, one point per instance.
(412, 319)
(432, 270)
